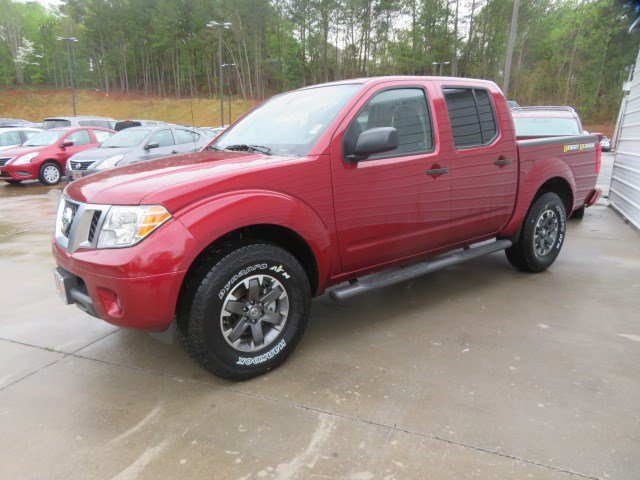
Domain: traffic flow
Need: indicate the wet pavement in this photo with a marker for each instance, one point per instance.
(477, 371)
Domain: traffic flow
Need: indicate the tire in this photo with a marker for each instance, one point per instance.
(578, 213)
(543, 233)
(226, 342)
(13, 182)
(50, 173)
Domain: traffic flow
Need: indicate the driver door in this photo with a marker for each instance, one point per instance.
(397, 204)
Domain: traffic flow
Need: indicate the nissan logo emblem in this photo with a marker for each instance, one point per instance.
(78, 166)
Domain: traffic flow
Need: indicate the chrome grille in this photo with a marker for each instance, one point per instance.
(94, 225)
(68, 215)
(81, 165)
(78, 224)
(4, 160)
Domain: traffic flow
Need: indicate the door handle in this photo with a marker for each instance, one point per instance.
(434, 172)
(502, 161)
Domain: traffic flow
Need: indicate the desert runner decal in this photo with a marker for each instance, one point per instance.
(264, 357)
(579, 147)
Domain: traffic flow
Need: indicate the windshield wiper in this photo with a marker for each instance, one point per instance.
(213, 147)
(241, 147)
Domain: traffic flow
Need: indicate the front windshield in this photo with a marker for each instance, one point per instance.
(125, 138)
(290, 124)
(42, 139)
(545, 127)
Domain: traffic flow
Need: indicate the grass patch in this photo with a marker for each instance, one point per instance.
(35, 105)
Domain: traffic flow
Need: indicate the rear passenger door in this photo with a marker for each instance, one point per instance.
(166, 144)
(483, 164)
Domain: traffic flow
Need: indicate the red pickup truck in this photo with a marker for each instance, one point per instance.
(352, 185)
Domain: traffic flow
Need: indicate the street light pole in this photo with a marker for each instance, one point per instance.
(220, 26)
(68, 41)
(442, 64)
(512, 37)
(224, 65)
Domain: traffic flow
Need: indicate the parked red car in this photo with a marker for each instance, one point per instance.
(44, 156)
(332, 186)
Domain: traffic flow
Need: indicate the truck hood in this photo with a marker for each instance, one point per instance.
(171, 181)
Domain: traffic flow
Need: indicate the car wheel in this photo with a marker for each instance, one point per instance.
(50, 173)
(245, 312)
(543, 233)
(578, 213)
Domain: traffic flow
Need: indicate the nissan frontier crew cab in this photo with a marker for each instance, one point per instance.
(342, 187)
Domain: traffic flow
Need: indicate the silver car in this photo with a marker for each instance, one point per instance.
(132, 145)
(11, 137)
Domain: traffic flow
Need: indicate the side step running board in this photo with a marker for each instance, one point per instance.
(384, 279)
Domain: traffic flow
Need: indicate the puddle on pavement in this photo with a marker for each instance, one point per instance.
(29, 207)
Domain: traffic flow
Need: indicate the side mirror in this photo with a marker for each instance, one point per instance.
(66, 144)
(376, 140)
(149, 146)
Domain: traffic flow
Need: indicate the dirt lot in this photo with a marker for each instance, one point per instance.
(473, 372)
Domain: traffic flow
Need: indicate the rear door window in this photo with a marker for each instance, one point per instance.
(81, 137)
(472, 117)
(186, 136)
(101, 135)
(164, 138)
(10, 138)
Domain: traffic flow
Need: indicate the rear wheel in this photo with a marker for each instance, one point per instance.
(542, 236)
(246, 312)
(50, 173)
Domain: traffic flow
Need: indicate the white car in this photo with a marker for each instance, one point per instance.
(11, 137)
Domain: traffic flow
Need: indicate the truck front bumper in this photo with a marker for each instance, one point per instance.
(135, 287)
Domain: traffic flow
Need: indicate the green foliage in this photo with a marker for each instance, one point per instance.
(574, 52)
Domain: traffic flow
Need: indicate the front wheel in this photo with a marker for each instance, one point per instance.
(543, 233)
(50, 173)
(246, 312)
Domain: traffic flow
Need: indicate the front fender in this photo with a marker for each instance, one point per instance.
(535, 172)
(211, 218)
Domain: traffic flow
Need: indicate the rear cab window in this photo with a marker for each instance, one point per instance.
(404, 109)
(472, 116)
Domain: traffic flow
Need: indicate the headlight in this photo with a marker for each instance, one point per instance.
(25, 158)
(108, 163)
(126, 226)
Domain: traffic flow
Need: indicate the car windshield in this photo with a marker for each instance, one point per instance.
(55, 123)
(289, 124)
(543, 127)
(126, 138)
(43, 138)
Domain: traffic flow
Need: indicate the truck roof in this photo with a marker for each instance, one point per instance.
(407, 78)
